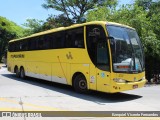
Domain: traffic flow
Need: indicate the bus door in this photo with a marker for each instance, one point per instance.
(102, 69)
(99, 55)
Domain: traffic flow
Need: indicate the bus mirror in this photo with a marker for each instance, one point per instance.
(82, 20)
(110, 38)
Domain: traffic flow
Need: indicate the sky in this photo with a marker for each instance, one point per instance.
(20, 10)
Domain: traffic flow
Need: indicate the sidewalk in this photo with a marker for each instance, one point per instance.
(152, 84)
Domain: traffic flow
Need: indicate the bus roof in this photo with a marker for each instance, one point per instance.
(70, 27)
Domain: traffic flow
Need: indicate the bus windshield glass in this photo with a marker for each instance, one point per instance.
(126, 48)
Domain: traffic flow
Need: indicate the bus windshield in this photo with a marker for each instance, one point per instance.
(127, 53)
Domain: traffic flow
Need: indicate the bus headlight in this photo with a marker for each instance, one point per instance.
(119, 80)
(143, 78)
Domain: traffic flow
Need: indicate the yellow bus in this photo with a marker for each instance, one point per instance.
(99, 55)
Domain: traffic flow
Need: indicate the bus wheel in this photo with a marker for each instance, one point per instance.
(22, 73)
(17, 72)
(80, 84)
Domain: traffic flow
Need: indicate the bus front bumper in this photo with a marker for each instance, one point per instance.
(118, 87)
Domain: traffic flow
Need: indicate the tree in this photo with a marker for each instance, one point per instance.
(33, 26)
(145, 4)
(154, 17)
(8, 30)
(71, 10)
(147, 27)
(134, 16)
(75, 9)
(56, 21)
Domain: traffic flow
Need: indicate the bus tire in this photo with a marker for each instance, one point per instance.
(80, 84)
(22, 73)
(17, 72)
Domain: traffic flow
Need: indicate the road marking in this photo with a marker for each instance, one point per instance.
(9, 109)
(44, 108)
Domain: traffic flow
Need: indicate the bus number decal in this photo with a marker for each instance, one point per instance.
(17, 56)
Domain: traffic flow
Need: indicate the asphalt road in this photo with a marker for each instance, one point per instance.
(38, 95)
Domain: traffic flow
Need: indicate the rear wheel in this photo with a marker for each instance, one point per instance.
(80, 84)
(22, 73)
(17, 72)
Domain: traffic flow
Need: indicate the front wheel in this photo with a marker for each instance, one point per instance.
(22, 73)
(80, 84)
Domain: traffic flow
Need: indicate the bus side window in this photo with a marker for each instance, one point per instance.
(52, 37)
(23, 45)
(32, 43)
(102, 56)
(79, 40)
(91, 42)
(59, 40)
(75, 38)
(47, 42)
(17, 46)
(68, 40)
(40, 43)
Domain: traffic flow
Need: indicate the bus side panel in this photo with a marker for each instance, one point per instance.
(44, 71)
(10, 65)
(68, 74)
(93, 78)
(32, 69)
(103, 80)
(59, 71)
(20, 63)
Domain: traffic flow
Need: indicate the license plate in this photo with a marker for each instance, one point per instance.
(135, 86)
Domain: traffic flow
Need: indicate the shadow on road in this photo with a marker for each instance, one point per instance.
(93, 96)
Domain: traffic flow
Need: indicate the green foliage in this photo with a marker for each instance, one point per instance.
(8, 30)
(134, 16)
(145, 4)
(10, 27)
(33, 26)
(154, 17)
(75, 9)
(72, 10)
(56, 21)
(144, 16)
